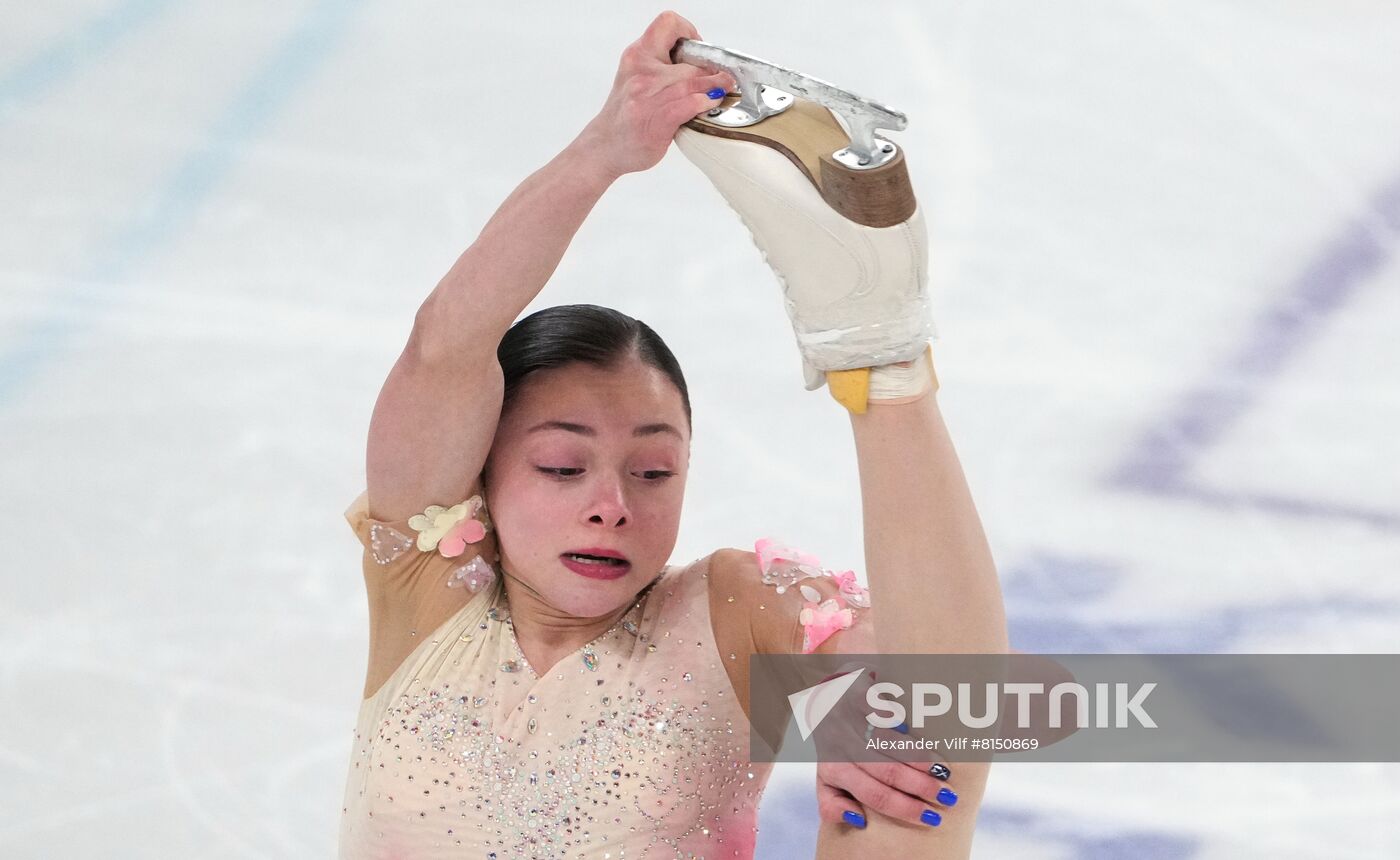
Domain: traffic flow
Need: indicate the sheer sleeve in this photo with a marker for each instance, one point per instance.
(808, 603)
(452, 546)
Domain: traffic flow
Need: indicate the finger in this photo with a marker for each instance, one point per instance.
(877, 796)
(720, 82)
(676, 75)
(717, 81)
(663, 32)
(912, 778)
(837, 807)
(687, 107)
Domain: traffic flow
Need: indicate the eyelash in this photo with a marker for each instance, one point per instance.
(559, 473)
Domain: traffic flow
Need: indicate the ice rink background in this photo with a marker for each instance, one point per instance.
(1164, 246)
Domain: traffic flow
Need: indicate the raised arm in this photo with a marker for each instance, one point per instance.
(436, 415)
(933, 587)
(847, 239)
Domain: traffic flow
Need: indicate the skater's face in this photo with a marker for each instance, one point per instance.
(589, 458)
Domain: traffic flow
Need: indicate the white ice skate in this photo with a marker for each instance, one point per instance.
(834, 215)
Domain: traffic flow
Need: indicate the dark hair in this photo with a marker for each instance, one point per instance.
(563, 334)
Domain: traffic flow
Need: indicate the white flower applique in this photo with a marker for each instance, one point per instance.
(450, 530)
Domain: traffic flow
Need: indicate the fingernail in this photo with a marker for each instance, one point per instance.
(940, 770)
(931, 818)
(855, 819)
(947, 796)
(902, 728)
(716, 93)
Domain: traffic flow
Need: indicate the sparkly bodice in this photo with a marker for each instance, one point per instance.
(631, 747)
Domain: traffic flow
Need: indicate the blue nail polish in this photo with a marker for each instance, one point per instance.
(902, 728)
(716, 93)
(931, 818)
(855, 819)
(947, 796)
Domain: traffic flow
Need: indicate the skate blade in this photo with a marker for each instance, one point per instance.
(809, 135)
(757, 78)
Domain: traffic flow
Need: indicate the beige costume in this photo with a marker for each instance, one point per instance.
(634, 746)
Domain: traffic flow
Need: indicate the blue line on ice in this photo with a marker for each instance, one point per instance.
(1161, 460)
(69, 53)
(157, 221)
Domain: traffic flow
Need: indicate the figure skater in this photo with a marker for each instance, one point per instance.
(541, 681)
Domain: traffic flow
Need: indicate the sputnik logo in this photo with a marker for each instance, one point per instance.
(810, 706)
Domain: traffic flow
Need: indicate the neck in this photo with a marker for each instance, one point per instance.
(544, 632)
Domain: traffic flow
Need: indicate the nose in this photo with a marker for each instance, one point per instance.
(608, 506)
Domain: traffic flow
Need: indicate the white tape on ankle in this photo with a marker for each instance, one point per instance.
(895, 382)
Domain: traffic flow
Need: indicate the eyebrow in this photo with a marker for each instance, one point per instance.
(585, 430)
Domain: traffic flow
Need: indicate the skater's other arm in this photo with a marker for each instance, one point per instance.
(933, 587)
(436, 415)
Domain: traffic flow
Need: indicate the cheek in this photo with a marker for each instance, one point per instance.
(663, 510)
(522, 509)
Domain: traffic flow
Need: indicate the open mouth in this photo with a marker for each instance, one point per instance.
(598, 559)
(596, 566)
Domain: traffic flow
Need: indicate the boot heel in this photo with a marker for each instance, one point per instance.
(809, 135)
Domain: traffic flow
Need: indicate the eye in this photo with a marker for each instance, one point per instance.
(657, 474)
(559, 472)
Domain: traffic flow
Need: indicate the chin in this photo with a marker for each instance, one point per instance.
(588, 598)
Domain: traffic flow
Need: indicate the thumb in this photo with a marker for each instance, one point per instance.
(835, 806)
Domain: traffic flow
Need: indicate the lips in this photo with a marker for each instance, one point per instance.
(596, 562)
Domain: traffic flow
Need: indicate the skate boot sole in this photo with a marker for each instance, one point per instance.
(808, 135)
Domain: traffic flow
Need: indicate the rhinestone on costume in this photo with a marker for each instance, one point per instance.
(387, 543)
(785, 573)
(474, 575)
(860, 599)
(572, 764)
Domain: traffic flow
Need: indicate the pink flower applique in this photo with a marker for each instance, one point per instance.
(855, 593)
(821, 620)
(454, 543)
(449, 530)
(783, 566)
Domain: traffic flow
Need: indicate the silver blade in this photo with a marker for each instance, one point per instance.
(862, 115)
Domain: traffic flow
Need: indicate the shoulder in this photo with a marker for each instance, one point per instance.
(790, 602)
(452, 545)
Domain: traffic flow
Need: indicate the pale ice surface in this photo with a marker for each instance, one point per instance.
(1164, 247)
